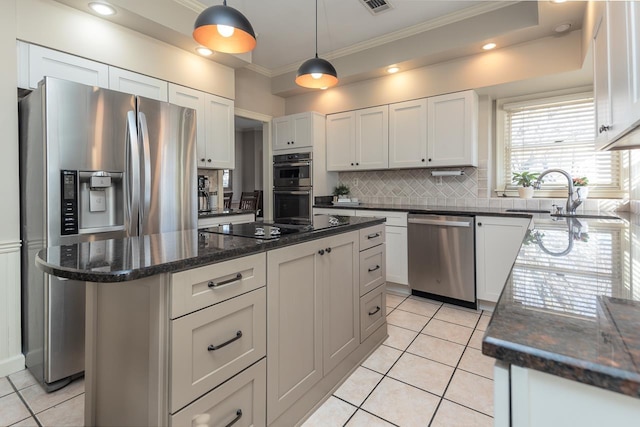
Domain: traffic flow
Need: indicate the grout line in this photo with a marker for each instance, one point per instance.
(33, 415)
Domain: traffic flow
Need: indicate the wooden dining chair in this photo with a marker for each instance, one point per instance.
(228, 195)
(249, 200)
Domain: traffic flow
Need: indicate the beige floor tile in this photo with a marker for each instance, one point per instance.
(22, 379)
(5, 387)
(399, 338)
(39, 400)
(477, 363)
(436, 349)
(358, 386)
(476, 339)
(333, 412)
(471, 390)
(448, 331)
(401, 404)
(394, 300)
(12, 410)
(422, 373)
(422, 307)
(68, 413)
(407, 320)
(483, 323)
(365, 419)
(382, 359)
(453, 415)
(459, 317)
(29, 422)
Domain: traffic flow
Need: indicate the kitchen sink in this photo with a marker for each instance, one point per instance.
(588, 216)
(528, 210)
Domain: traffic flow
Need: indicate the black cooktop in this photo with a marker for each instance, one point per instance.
(266, 230)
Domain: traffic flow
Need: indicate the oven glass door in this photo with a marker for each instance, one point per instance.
(292, 206)
(292, 174)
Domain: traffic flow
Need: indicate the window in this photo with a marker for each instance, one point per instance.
(556, 132)
(226, 179)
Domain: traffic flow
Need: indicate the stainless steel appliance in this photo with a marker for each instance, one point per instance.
(204, 199)
(442, 258)
(95, 164)
(292, 188)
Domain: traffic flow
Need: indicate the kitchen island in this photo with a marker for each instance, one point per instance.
(177, 323)
(566, 329)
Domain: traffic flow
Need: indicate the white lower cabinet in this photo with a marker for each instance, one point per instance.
(498, 241)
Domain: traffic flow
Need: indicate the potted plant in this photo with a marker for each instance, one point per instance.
(581, 190)
(341, 191)
(525, 179)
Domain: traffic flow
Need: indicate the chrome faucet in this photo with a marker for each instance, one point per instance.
(571, 204)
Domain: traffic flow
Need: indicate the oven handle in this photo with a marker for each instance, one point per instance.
(295, 193)
(286, 165)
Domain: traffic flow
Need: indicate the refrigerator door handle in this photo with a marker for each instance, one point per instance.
(133, 201)
(146, 152)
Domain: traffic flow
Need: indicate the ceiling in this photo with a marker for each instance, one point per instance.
(412, 33)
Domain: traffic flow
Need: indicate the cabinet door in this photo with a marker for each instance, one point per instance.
(498, 241)
(397, 255)
(294, 324)
(341, 141)
(618, 68)
(282, 133)
(372, 138)
(220, 130)
(138, 84)
(633, 26)
(452, 129)
(187, 97)
(601, 82)
(341, 291)
(408, 134)
(46, 62)
(302, 131)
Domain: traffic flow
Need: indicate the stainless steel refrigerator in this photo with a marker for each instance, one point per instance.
(95, 164)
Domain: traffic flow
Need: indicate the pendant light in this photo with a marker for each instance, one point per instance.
(224, 29)
(316, 73)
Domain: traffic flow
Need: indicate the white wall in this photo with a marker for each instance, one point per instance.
(253, 93)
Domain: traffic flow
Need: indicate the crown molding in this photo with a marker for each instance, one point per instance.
(451, 18)
(260, 70)
(194, 5)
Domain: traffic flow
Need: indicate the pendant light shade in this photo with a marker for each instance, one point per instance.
(224, 29)
(316, 73)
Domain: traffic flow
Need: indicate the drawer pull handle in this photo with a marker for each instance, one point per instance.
(371, 313)
(226, 343)
(236, 419)
(377, 267)
(373, 236)
(213, 284)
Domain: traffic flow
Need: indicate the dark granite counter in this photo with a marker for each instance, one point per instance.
(571, 306)
(137, 257)
(225, 212)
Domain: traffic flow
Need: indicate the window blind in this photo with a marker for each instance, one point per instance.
(557, 133)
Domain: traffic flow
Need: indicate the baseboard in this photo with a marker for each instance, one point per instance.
(11, 365)
(398, 289)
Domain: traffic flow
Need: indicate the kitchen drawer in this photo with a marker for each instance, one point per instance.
(371, 236)
(201, 287)
(242, 397)
(372, 268)
(237, 327)
(398, 219)
(373, 311)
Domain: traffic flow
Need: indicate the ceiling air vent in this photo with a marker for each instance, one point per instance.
(376, 6)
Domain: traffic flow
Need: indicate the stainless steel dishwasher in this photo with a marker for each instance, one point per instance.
(442, 258)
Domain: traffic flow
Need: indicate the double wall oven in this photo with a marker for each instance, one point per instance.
(292, 188)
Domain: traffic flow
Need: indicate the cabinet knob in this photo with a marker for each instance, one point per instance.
(479, 224)
(328, 250)
(604, 128)
(423, 160)
(209, 160)
(352, 164)
(321, 251)
(202, 160)
(292, 142)
(429, 159)
(357, 164)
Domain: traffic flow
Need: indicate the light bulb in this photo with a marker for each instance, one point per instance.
(316, 75)
(392, 70)
(226, 30)
(204, 51)
(489, 46)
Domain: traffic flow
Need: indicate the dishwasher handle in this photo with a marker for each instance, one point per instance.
(439, 222)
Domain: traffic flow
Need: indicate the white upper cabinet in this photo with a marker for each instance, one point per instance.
(408, 134)
(452, 129)
(294, 131)
(137, 84)
(633, 25)
(35, 62)
(358, 140)
(215, 126)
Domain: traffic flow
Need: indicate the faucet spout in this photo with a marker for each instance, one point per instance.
(571, 205)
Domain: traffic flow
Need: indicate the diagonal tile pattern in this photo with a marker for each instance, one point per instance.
(431, 361)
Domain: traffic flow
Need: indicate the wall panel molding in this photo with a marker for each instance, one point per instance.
(11, 358)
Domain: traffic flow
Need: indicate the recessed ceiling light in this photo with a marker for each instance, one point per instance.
(204, 51)
(102, 9)
(489, 46)
(563, 27)
(393, 69)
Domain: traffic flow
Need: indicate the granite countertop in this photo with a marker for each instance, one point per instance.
(120, 260)
(571, 306)
(224, 212)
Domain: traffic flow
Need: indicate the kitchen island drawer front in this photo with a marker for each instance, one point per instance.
(211, 345)
(372, 268)
(243, 397)
(201, 287)
(372, 236)
(373, 311)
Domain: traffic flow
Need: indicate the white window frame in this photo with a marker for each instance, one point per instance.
(501, 186)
